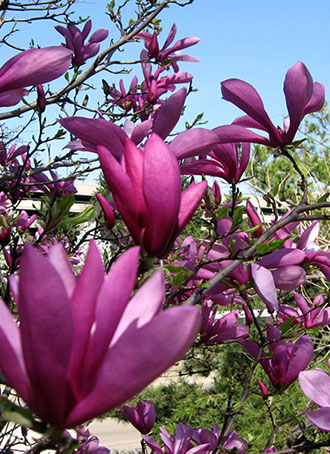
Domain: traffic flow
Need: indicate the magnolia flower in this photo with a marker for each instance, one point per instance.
(302, 95)
(168, 55)
(180, 443)
(146, 188)
(214, 330)
(316, 385)
(82, 346)
(31, 67)
(74, 40)
(142, 417)
(309, 316)
(223, 161)
(287, 359)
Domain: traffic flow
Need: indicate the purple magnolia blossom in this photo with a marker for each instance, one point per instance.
(317, 315)
(154, 209)
(142, 417)
(234, 442)
(86, 337)
(109, 215)
(52, 187)
(215, 330)
(212, 437)
(31, 67)
(302, 95)
(316, 385)
(9, 157)
(287, 359)
(168, 56)
(74, 40)
(223, 161)
(89, 444)
(180, 443)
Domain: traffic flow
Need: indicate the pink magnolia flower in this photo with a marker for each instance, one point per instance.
(74, 40)
(317, 315)
(223, 161)
(146, 188)
(142, 417)
(31, 67)
(222, 329)
(86, 338)
(316, 385)
(211, 437)
(168, 56)
(180, 443)
(287, 359)
(302, 95)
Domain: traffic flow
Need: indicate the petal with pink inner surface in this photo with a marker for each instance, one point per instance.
(46, 327)
(316, 385)
(134, 361)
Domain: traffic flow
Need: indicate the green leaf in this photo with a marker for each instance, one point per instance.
(287, 324)
(265, 248)
(237, 218)
(84, 216)
(223, 212)
(16, 414)
(323, 198)
(176, 269)
(63, 205)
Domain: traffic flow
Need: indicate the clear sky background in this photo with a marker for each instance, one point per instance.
(256, 40)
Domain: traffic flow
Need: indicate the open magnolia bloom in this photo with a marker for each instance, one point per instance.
(84, 346)
(302, 96)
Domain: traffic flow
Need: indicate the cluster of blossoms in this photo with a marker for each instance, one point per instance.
(107, 335)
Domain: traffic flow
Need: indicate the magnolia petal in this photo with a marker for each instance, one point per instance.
(246, 97)
(34, 66)
(317, 100)
(11, 354)
(320, 418)
(236, 133)
(144, 305)
(190, 200)
(96, 131)
(12, 97)
(134, 361)
(309, 235)
(289, 277)
(162, 194)
(298, 90)
(123, 192)
(282, 257)
(264, 286)
(46, 328)
(61, 263)
(193, 142)
(83, 304)
(111, 303)
(169, 113)
(316, 384)
(301, 356)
